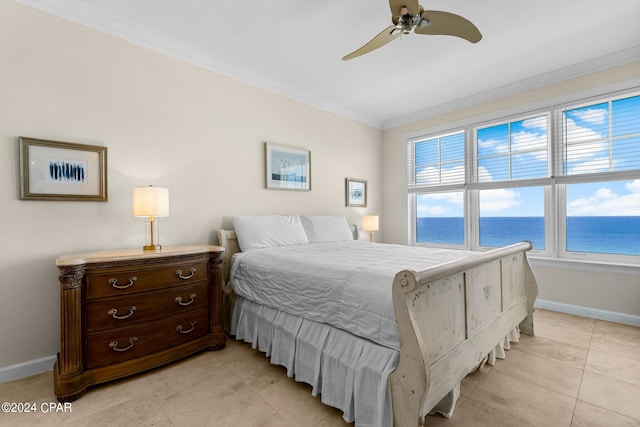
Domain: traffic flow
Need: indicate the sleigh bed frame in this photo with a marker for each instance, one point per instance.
(449, 318)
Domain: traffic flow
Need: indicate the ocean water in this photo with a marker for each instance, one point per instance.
(596, 234)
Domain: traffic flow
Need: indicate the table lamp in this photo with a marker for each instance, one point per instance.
(151, 202)
(371, 223)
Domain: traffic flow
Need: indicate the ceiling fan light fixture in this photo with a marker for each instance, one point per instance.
(430, 22)
(408, 22)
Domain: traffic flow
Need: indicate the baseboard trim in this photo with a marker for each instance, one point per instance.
(26, 369)
(594, 313)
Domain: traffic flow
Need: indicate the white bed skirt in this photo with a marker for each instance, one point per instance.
(348, 372)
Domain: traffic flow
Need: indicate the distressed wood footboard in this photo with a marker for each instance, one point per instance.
(450, 317)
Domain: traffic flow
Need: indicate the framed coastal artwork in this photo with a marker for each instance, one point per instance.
(53, 170)
(287, 168)
(356, 192)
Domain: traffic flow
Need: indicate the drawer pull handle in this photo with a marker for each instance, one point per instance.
(114, 344)
(114, 282)
(179, 328)
(179, 300)
(179, 274)
(113, 313)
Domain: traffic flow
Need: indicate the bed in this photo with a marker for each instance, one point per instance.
(383, 332)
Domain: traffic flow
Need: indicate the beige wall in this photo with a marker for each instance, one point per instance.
(166, 123)
(615, 291)
(172, 124)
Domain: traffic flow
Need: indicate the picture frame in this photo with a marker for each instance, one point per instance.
(54, 170)
(287, 168)
(355, 192)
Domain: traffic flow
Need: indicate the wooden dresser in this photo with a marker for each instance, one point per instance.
(123, 312)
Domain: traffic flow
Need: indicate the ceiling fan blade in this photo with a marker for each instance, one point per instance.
(449, 24)
(397, 5)
(386, 36)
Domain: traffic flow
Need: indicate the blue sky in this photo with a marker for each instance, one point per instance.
(599, 138)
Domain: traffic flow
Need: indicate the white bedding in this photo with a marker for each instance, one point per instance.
(348, 372)
(344, 284)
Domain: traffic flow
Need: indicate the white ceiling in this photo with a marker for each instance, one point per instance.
(294, 47)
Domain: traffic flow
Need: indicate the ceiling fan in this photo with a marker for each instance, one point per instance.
(409, 17)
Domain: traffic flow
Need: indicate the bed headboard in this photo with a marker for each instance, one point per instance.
(229, 241)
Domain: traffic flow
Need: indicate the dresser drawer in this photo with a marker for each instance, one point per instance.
(126, 282)
(125, 311)
(123, 344)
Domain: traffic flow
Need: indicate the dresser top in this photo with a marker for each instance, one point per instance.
(128, 254)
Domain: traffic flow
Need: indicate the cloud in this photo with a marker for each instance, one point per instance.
(484, 175)
(431, 175)
(596, 165)
(532, 139)
(597, 116)
(455, 198)
(429, 210)
(439, 204)
(499, 199)
(528, 141)
(484, 143)
(605, 202)
(580, 134)
(633, 186)
(537, 123)
(586, 149)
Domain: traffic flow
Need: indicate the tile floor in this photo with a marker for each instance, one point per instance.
(574, 372)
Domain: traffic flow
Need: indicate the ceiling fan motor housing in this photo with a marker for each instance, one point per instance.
(408, 21)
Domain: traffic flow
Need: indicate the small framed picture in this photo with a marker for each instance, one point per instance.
(356, 192)
(287, 168)
(52, 170)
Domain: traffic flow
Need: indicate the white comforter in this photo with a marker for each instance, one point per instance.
(344, 284)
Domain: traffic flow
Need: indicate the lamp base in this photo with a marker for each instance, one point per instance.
(152, 239)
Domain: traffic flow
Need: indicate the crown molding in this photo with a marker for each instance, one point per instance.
(588, 67)
(90, 17)
(82, 14)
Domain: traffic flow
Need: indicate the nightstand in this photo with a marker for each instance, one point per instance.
(123, 312)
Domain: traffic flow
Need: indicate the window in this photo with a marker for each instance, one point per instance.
(440, 218)
(566, 178)
(438, 163)
(513, 150)
(439, 160)
(511, 215)
(603, 137)
(516, 150)
(603, 217)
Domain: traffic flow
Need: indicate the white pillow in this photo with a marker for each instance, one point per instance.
(320, 228)
(256, 232)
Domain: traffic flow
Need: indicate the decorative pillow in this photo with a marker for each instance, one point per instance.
(256, 232)
(320, 228)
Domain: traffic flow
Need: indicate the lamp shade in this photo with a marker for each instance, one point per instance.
(150, 201)
(371, 223)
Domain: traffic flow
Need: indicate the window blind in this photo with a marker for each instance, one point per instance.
(513, 150)
(601, 137)
(436, 160)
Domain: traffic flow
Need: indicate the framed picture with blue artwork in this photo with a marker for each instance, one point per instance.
(53, 170)
(356, 192)
(287, 168)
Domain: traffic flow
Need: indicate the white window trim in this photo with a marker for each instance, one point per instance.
(555, 230)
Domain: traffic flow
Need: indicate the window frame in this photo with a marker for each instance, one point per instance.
(555, 203)
(413, 189)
